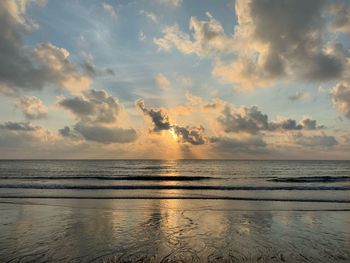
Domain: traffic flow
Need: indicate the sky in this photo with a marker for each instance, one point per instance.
(175, 79)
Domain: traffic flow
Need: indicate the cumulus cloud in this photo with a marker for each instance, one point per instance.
(272, 41)
(322, 140)
(18, 126)
(161, 122)
(32, 68)
(32, 107)
(96, 113)
(236, 146)
(310, 124)
(340, 13)
(103, 134)
(252, 120)
(243, 119)
(159, 118)
(22, 136)
(93, 106)
(289, 124)
(192, 135)
(208, 37)
(340, 94)
(277, 39)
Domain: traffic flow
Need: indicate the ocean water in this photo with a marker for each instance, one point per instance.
(174, 211)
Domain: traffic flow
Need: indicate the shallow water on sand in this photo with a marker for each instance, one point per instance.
(174, 211)
(169, 231)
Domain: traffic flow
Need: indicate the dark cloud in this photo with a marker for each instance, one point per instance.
(252, 120)
(192, 135)
(236, 146)
(309, 124)
(161, 122)
(315, 140)
(18, 126)
(78, 106)
(94, 106)
(159, 118)
(293, 31)
(65, 132)
(103, 134)
(341, 98)
(288, 124)
(245, 119)
(340, 21)
(96, 112)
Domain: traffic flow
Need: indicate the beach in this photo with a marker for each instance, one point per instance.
(56, 223)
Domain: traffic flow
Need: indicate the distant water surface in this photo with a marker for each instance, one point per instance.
(171, 211)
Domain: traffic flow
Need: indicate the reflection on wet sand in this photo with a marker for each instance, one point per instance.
(168, 231)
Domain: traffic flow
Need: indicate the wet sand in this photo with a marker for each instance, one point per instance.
(73, 230)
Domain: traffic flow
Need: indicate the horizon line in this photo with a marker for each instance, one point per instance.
(156, 159)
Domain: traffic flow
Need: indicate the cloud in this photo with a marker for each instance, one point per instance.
(109, 9)
(209, 38)
(192, 135)
(322, 140)
(300, 95)
(161, 122)
(18, 126)
(103, 134)
(93, 106)
(65, 132)
(22, 136)
(174, 3)
(90, 68)
(32, 108)
(251, 120)
(289, 124)
(25, 68)
(97, 114)
(278, 39)
(159, 118)
(235, 146)
(56, 68)
(273, 41)
(243, 119)
(340, 94)
(162, 81)
(151, 16)
(340, 22)
(310, 124)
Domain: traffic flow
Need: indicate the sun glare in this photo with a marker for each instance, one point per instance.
(173, 134)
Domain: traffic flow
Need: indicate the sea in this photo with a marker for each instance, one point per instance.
(174, 211)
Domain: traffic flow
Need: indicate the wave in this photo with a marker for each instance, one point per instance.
(173, 187)
(179, 198)
(312, 179)
(114, 178)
